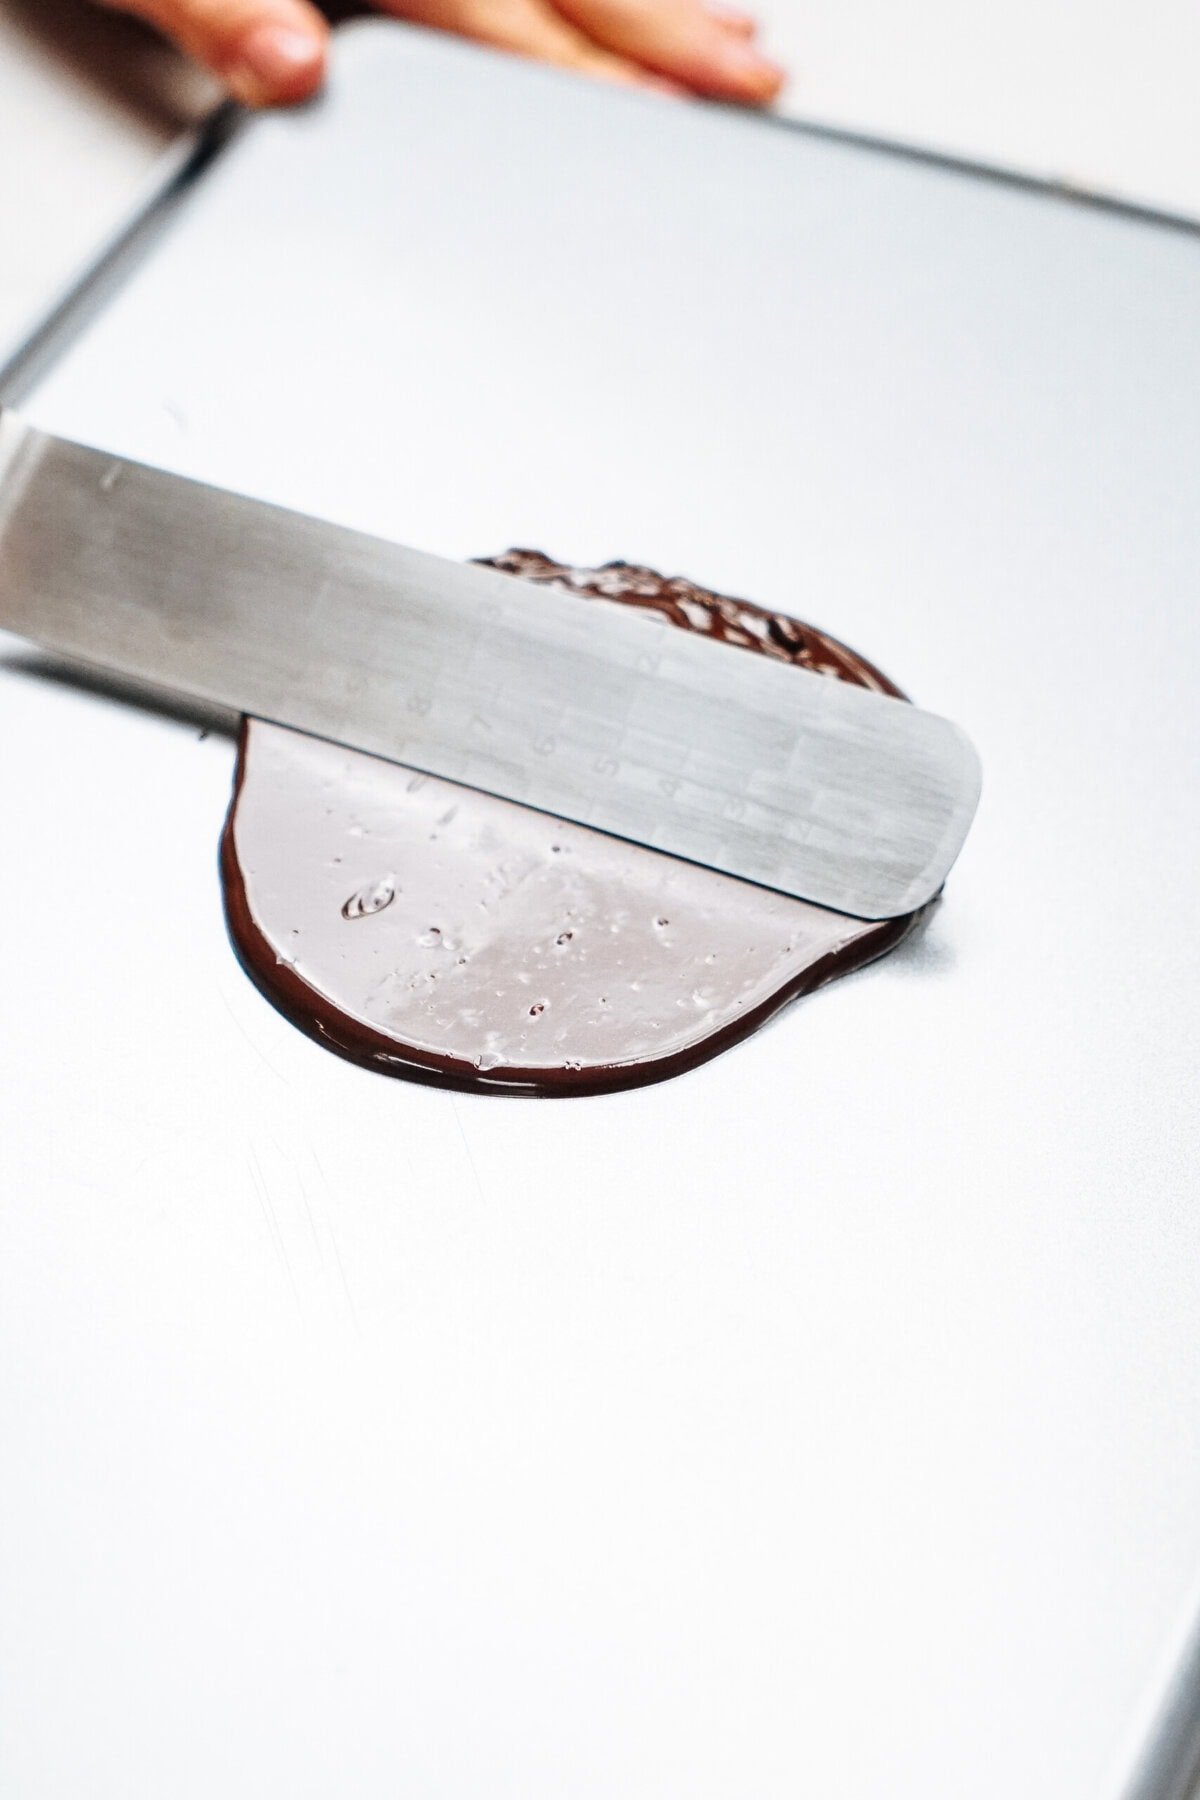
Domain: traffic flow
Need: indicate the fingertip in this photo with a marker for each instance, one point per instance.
(740, 72)
(768, 84)
(277, 64)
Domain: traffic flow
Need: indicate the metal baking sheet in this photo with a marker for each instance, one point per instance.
(824, 1421)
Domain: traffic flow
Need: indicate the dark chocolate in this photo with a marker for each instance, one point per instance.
(426, 930)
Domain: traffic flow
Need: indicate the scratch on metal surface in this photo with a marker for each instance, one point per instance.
(466, 1146)
(260, 1188)
(308, 1211)
(263, 1059)
(337, 1249)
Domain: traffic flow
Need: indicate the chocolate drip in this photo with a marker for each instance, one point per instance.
(425, 930)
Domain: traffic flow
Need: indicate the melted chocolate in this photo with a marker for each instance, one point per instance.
(426, 930)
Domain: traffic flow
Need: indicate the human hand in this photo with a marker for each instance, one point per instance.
(272, 52)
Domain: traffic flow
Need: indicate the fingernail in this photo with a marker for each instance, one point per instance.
(276, 62)
(748, 67)
(730, 16)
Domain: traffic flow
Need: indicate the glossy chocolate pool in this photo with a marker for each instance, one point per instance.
(429, 931)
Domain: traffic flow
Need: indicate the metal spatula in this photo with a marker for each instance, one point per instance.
(825, 791)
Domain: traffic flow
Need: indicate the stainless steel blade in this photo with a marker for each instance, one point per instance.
(838, 796)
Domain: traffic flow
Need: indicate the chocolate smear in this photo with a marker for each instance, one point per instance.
(426, 930)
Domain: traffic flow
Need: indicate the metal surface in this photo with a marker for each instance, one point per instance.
(821, 1422)
(1166, 1765)
(828, 792)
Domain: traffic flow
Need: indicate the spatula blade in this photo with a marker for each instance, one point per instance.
(848, 799)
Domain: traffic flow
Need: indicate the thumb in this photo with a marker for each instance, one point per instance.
(267, 52)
